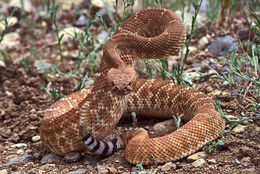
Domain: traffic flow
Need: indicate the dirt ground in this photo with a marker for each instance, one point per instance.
(22, 105)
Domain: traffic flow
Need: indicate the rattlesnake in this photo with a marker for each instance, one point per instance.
(81, 120)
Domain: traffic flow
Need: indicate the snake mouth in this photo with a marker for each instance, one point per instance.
(123, 89)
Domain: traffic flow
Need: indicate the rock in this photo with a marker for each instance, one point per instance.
(48, 166)
(50, 158)
(5, 132)
(36, 138)
(112, 170)
(246, 161)
(239, 128)
(237, 161)
(215, 93)
(164, 126)
(27, 5)
(12, 22)
(72, 156)
(42, 66)
(222, 45)
(19, 145)
(102, 169)
(211, 161)
(231, 117)
(168, 166)
(3, 171)
(102, 36)
(203, 41)
(199, 162)
(81, 22)
(10, 41)
(19, 160)
(66, 4)
(79, 171)
(20, 151)
(196, 156)
(69, 33)
(2, 63)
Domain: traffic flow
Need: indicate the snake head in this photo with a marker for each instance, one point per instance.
(122, 80)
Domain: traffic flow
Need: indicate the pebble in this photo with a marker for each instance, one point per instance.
(2, 63)
(196, 156)
(212, 161)
(20, 151)
(50, 158)
(3, 171)
(222, 45)
(16, 161)
(112, 170)
(203, 41)
(164, 126)
(19, 145)
(102, 36)
(168, 166)
(10, 41)
(79, 171)
(5, 132)
(81, 22)
(198, 162)
(72, 156)
(102, 169)
(69, 33)
(239, 128)
(36, 138)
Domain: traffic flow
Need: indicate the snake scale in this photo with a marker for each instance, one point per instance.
(81, 120)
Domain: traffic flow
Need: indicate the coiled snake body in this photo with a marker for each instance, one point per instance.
(151, 33)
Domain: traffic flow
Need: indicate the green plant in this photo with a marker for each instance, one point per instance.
(213, 7)
(26, 62)
(177, 74)
(56, 94)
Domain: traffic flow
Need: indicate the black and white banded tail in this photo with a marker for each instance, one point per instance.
(100, 147)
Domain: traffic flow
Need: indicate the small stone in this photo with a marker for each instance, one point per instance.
(19, 145)
(81, 22)
(231, 117)
(199, 162)
(246, 161)
(72, 156)
(36, 138)
(50, 158)
(102, 169)
(10, 41)
(26, 5)
(237, 161)
(79, 171)
(2, 63)
(223, 45)
(164, 126)
(3, 171)
(16, 161)
(19, 152)
(239, 128)
(112, 170)
(212, 161)
(216, 93)
(196, 156)
(102, 36)
(203, 42)
(69, 33)
(5, 132)
(168, 166)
